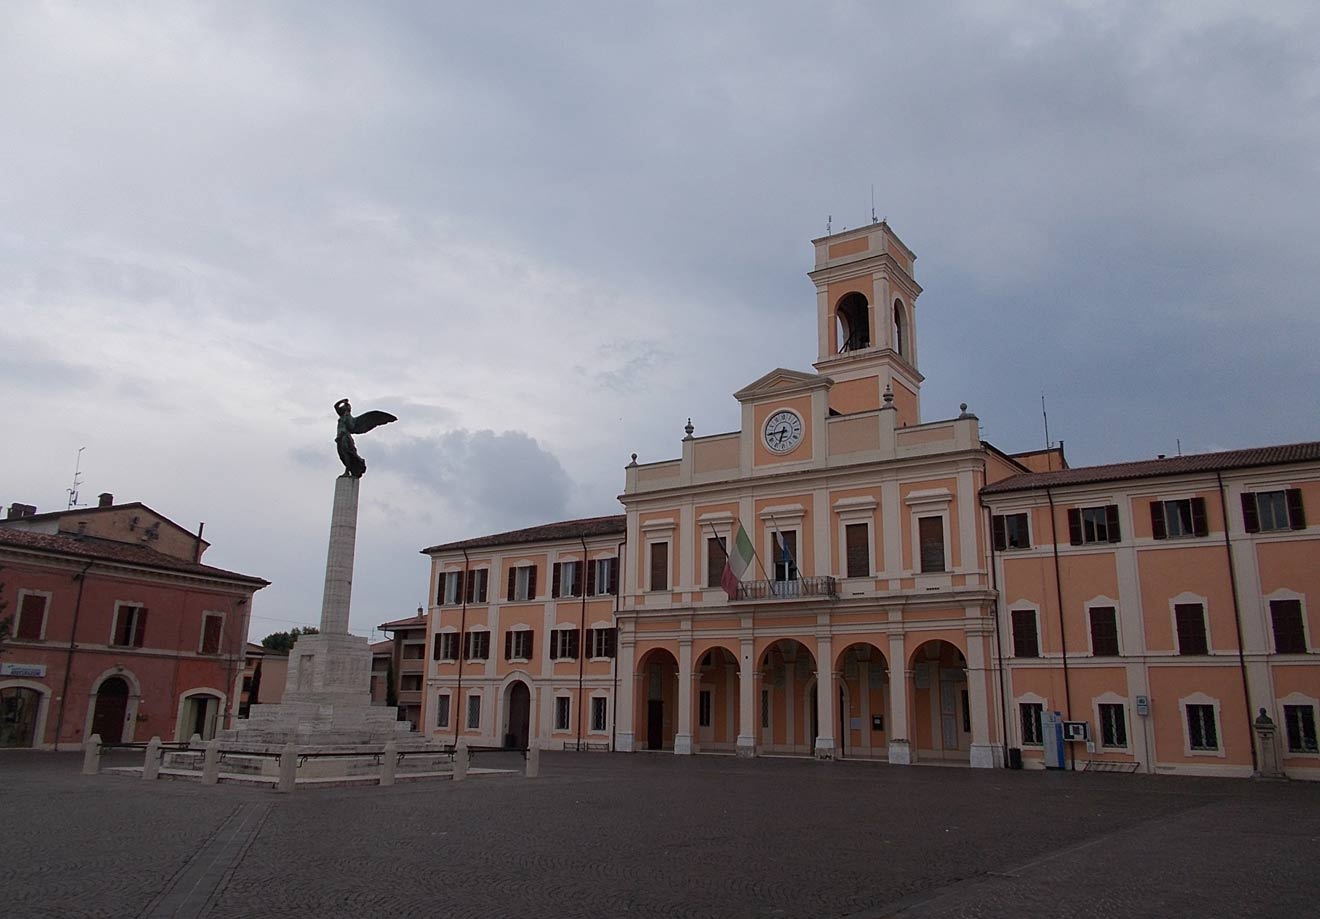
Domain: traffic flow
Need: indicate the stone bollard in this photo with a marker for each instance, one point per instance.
(1267, 756)
(288, 769)
(92, 755)
(151, 765)
(388, 761)
(460, 760)
(211, 765)
(195, 742)
(533, 760)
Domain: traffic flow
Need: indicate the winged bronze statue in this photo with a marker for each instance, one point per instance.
(349, 425)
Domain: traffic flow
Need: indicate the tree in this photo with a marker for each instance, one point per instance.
(283, 641)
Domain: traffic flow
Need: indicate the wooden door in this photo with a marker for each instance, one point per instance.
(655, 724)
(111, 710)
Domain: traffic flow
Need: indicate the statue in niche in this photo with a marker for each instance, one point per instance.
(354, 465)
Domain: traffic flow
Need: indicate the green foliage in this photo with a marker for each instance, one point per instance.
(283, 641)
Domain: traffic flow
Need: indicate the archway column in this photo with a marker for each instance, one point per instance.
(824, 699)
(683, 737)
(749, 679)
(982, 752)
(900, 749)
(624, 705)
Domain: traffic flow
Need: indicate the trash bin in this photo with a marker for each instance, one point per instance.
(1014, 757)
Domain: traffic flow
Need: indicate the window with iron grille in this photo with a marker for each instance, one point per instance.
(442, 711)
(1030, 714)
(1113, 725)
(599, 713)
(1202, 733)
(1104, 631)
(1299, 726)
(1190, 618)
(1026, 637)
(857, 537)
(704, 709)
(563, 712)
(1289, 632)
(474, 710)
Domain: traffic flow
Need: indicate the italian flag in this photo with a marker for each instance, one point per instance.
(738, 562)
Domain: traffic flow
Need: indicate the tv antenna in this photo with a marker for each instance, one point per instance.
(829, 223)
(873, 220)
(77, 480)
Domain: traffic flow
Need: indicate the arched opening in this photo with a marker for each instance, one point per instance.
(199, 713)
(863, 729)
(901, 329)
(517, 715)
(853, 316)
(19, 706)
(111, 710)
(941, 725)
(716, 722)
(657, 698)
(787, 707)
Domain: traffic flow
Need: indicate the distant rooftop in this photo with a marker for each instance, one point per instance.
(94, 548)
(615, 524)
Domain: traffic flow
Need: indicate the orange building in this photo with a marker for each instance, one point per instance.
(897, 562)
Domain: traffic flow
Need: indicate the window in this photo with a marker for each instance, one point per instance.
(522, 583)
(857, 542)
(477, 581)
(1104, 631)
(31, 617)
(765, 708)
(130, 626)
(1201, 731)
(603, 577)
(1190, 618)
(1010, 531)
(566, 579)
(518, 645)
(703, 709)
(1030, 713)
(563, 644)
(476, 646)
(1113, 725)
(446, 647)
(1026, 637)
(563, 711)
(1299, 726)
(930, 534)
(1289, 635)
(474, 712)
(602, 642)
(410, 682)
(600, 711)
(785, 553)
(442, 711)
(451, 588)
(1093, 524)
(1174, 519)
(211, 625)
(1264, 511)
(659, 566)
(413, 652)
(715, 558)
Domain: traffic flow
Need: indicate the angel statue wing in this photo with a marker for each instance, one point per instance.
(370, 420)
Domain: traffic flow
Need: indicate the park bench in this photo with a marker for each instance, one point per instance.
(1095, 765)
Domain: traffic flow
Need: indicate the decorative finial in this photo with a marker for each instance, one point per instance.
(889, 399)
(962, 406)
(688, 428)
(634, 460)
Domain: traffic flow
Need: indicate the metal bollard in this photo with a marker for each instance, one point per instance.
(211, 765)
(460, 760)
(92, 755)
(389, 759)
(533, 761)
(151, 765)
(288, 769)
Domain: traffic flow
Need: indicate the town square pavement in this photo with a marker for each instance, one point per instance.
(656, 835)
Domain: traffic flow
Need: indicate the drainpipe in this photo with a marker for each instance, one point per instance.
(1063, 636)
(582, 639)
(1237, 621)
(614, 664)
(999, 640)
(457, 710)
(81, 578)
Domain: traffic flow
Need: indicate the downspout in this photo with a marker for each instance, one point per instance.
(999, 642)
(1237, 621)
(457, 710)
(582, 638)
(1063, 636)
(81, 578)
(614, 664)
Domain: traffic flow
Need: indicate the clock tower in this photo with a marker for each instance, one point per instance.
(866, 301)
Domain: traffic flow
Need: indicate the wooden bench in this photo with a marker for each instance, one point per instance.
(1096, 765)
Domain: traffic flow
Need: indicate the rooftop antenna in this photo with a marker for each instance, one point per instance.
(1044, 414)
(873, 220)
(77, 480)
(829, 223)
(1178, 441)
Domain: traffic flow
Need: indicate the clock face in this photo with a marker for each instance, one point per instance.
(783, 431)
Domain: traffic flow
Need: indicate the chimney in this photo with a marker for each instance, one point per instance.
(105, 499)
(17, 510)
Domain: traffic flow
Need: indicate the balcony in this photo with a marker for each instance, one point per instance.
(797, 589)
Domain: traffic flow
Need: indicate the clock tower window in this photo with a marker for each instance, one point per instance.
(901, 330)
(853, 312)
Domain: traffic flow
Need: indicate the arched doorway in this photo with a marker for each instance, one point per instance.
(716, 723)
(199, 713)
(111, 710)
(788, 712)
(863, 702)
(657, 699)
(941, 722)
(18, 716)
(517, 715)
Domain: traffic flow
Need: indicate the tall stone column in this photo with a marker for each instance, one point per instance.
(339, 558)
(982, 752)
(747, 686)
(824, 699)
(683, 738)
(626, 703)
(900, 748)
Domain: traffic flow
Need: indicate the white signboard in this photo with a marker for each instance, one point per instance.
(37, 670)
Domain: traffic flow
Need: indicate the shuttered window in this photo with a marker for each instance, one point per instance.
(604, 577)
(858, 549)
(1010, 531)
(31, 618)
(659, 566)
(1264, 511)
(522, 583)
(1093, 524)
(1104, 631)
(1175, 519)
(1289, 633)
(446, 647)
(130, 626)
(1026, 638)
(563, 644)
(476, 646)
(1190, 618)
(602, 642)
(211, 625)
(475, 589)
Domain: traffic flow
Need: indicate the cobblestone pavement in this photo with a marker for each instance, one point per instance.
(657, 835)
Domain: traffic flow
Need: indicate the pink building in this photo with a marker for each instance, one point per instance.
(116, 628)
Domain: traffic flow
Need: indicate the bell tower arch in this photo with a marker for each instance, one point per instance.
(866, 302)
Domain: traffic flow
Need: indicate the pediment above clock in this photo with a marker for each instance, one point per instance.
(781, 382)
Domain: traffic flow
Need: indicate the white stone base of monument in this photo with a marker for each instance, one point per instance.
(746, 746)
(683, 744)
(624, 742)
(900, 753)
(824, 748)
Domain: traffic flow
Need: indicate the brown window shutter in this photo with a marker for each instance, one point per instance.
(611, 642)
(31, 617)
(1250, 516)
(531, 583)
(485, 578)
(1111, 522)
(614, 576)
(1200, 524)
(467, 645)
(999, 532)
(1296, 512)
(1289, 635)
(1157, 520)
(440, 589)
(513, 581)
(435, 647)
(591, 578)
(530, 645)
(508, 645)
(858, 551)
(140, 627)
(1075, 525)
(556, 644)
(211, 635)
(554, 580)
(458, 590)
(470, 587)
(574, 642)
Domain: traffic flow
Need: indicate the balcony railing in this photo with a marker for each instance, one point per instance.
(788, 590)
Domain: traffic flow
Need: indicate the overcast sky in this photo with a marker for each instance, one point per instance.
(546, 235)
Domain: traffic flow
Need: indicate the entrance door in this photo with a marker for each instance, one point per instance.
(655, 724)
(949, 714)
(520, 716)
(111, 709)
(18, 716)
(200, 716)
